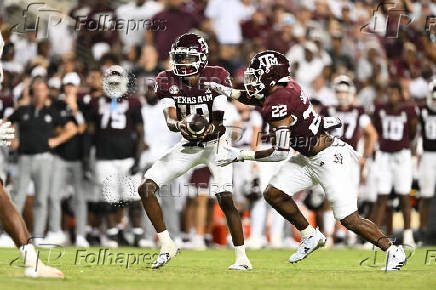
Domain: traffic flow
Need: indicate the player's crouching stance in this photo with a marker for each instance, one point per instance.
(14, 225)
(322, 159)
(182, 94)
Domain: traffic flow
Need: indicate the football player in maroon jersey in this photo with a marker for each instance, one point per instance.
(116, 126)
(427, 169)
(396, 123)
(323, 159)
(181, 92)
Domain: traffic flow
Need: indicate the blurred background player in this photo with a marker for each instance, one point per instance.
(159, 141)
(355, 124)
(182, 92)
(427, 171)
(116, 126)
(251, 179)
(396, 124)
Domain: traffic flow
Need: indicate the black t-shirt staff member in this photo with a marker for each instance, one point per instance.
(39, 129)
(68, 158)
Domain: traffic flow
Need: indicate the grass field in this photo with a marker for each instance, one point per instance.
(335, 269)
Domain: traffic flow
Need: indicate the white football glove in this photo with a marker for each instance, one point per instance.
(230, 154)
(6, 133)
(219, 88)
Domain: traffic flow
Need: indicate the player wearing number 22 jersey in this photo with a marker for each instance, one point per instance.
(181, 92)
(322, 159)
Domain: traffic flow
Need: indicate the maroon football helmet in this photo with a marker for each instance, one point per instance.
(266, 69)
(188, 54)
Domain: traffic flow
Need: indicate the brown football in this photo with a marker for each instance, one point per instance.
(196, 125)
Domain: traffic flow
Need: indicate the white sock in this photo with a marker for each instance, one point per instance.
(329, 223)
(408, 235)
(240, 252)
(277, 225)
(307, 231)
(29, 255)
(138, 231)
(164, 237)
(112, 231)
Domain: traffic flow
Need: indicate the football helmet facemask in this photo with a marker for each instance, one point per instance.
(266, 69)
(188, 54)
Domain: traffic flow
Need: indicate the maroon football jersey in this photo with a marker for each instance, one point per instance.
(350, 131)
(115, 133)
(191, 99)
(427, 119)
(393, 127)
(291, 101)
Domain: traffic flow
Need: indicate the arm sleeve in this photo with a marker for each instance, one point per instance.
(276, 156)
(167, 102)
(219, 103)
(282, 147)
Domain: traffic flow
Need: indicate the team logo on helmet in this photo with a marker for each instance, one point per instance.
(267, 60)
(266, 69)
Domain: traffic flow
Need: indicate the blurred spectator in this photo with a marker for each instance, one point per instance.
(310, 67)
(227, 16)
(175, 21)
(139, 12)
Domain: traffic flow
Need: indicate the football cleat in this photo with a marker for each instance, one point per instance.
(166, 254)
(241, 265)
(43, 271)
(81, 242)
(395, 259)
(308, 245)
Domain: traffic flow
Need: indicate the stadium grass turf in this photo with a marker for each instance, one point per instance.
(324, 269)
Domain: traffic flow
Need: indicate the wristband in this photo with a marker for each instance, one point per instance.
(247, 155)
(177, 125)
(211, 128)
(235, 94)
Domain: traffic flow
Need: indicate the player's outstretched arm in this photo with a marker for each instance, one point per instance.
(277, 153)
(235, 94)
